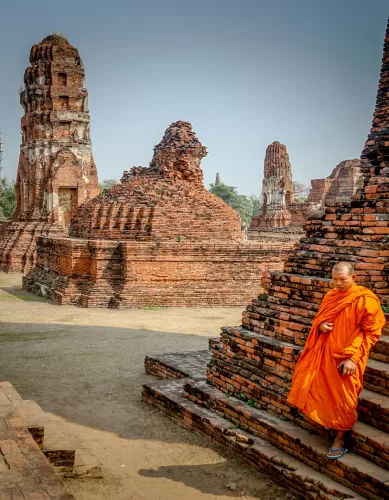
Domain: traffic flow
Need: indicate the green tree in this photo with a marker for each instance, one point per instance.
(246, 206)
(107, 184)
(7, 198)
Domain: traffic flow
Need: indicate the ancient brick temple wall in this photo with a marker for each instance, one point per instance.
(158, 238)
(95, 273)
(165, 201)
(56, 171)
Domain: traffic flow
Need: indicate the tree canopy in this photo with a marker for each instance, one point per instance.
(7, 199)
(246, 206)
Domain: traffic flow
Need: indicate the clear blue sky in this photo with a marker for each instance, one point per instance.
(244, 72)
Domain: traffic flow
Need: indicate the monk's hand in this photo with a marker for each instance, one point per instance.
(349, 367)
(326, 327)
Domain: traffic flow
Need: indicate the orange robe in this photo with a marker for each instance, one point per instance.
(318, 389)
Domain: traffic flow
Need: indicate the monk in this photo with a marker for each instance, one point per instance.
(329, 374)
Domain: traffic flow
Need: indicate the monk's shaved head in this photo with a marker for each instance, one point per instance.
(344, 266)
(343, 276)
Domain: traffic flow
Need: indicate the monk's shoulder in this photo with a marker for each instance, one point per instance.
(368, 300)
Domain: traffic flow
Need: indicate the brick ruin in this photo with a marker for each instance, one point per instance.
(158, 238)
(237, 394)
(56, 171)
(281, 217)
(344, 181)
(277, 189)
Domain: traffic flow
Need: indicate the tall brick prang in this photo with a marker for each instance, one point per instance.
(281, 217)
(251, 367)
(277, 189)
(56, 171)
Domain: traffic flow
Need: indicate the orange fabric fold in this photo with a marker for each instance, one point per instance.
(318, 389)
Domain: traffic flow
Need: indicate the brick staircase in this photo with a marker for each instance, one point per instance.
(245, 409)
(36, 451)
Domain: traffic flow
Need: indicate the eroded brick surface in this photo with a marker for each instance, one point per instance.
(56, 171)
(344, 181)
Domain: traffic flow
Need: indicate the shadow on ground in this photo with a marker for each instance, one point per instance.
(89, 375)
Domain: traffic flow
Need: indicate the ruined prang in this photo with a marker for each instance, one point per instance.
(281, 217)
(56, 171)
(277, 189)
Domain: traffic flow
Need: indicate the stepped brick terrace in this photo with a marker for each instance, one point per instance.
(56, 171)
(238, 396)
(158, 238)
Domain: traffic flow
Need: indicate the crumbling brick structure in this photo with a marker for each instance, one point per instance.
(281, 217)
(277, 189)
(56, 171)
(344, 181)
(242, 401)
(159, 238)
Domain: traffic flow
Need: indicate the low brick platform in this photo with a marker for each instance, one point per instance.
(36, 451)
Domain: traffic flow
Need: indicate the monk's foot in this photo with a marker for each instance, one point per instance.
(337, 449)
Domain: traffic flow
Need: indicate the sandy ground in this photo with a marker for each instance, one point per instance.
(86, 366)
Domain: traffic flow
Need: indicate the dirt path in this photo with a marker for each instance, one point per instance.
(86, 366)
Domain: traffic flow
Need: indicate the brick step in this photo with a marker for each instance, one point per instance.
(376, 377)
(373, 409)
(279, 357)
(369, 441)
(353, 471)
(176, 366)
(24, 469)
(380, 351)
(64, 451)
(308, 483)
(366, 440)
(61, 449)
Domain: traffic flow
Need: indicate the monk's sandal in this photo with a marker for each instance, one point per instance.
(336, 457)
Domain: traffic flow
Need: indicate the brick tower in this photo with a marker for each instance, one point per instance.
(277, 189)
(56, 171)
(250, 368)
